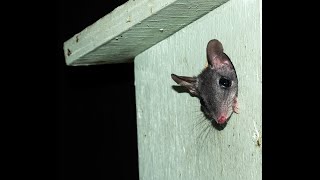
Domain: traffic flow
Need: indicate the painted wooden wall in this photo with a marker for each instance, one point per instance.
(174, 140)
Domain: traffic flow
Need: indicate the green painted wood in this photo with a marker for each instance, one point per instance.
(132, 28)
(174, 140)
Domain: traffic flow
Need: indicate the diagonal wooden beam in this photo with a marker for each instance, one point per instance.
(132, 28)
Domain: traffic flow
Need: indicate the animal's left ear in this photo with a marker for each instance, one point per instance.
(215, 55)
(235, 105)
(189, 82)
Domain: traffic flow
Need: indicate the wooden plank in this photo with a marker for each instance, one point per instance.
(173, 141)
(132, 28)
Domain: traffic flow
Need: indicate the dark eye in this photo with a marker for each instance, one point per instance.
(225, 83)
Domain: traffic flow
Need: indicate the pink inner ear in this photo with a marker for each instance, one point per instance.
(218, 63)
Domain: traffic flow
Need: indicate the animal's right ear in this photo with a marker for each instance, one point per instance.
(189, 82)
(216, 57)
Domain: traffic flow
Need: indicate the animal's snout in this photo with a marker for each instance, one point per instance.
(222, 119)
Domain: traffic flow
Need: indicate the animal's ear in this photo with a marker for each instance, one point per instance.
(216, 57)
(189, 82)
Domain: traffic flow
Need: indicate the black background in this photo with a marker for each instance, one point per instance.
(96, 127)
(90, 111)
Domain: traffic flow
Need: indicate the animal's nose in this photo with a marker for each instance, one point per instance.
(221, 120)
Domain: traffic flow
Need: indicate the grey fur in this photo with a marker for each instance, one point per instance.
(211, 86)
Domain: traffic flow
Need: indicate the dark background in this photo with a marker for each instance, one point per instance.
(96, 127)
(93, 118)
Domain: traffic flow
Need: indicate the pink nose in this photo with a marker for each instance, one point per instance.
(222, 119)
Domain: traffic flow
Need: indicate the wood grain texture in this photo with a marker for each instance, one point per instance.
(132, 28)
(174, 140)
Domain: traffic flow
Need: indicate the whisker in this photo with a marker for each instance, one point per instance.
(200, 138)
(208, 132)
(202, 120)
